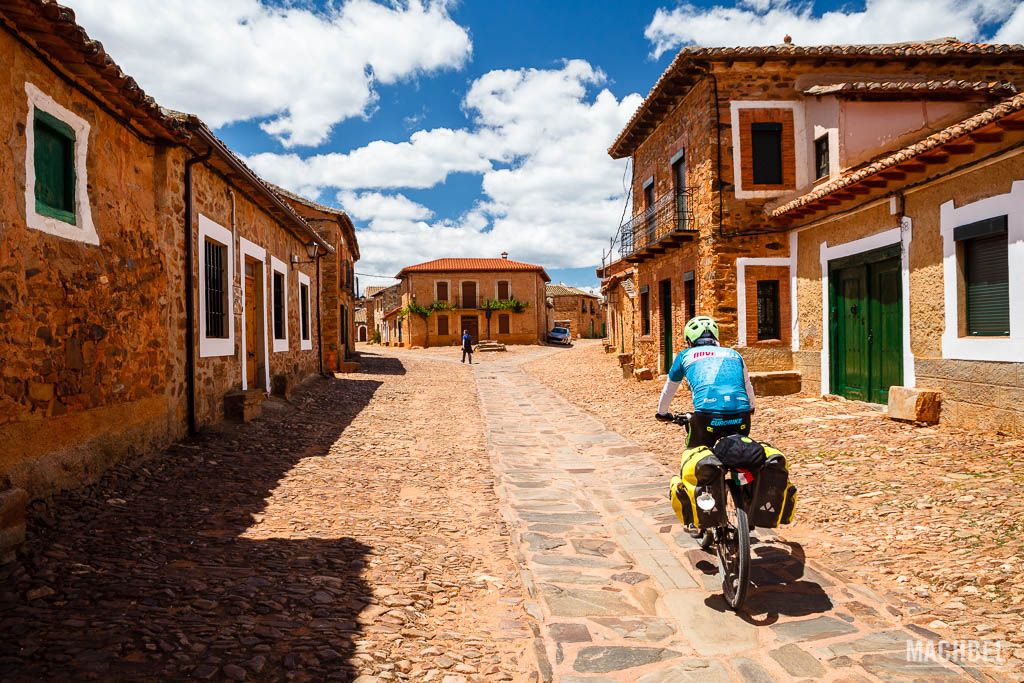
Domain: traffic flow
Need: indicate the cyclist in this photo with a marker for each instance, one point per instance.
(723, 398)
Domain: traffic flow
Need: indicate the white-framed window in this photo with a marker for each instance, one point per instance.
(56, 178)
(279, 303)
(305, 314)
(216, 279)
(503, 290)
(983, 278)
(742, 157)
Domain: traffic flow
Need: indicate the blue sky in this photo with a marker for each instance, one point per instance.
(464, 128)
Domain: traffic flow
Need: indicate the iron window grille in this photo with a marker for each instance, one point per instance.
(215, 259)
(304, 310)
(768, 309)
(279, 306)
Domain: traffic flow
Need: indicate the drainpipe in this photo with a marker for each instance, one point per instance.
(319, 313)
(190, 317)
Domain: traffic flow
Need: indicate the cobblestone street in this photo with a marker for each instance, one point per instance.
(351, 533)
(428, 521)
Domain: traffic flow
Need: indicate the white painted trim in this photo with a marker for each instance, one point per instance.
(799, 146)
(257, 253)
(210, 346)
(278, 266)
(84, 230)
(794, 316)
(879, 240)
(906, 235)
(305, 344)
(833, 152)
(741, 288)
(1007, 349)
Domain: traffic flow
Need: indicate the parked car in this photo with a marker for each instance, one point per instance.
(560, 335)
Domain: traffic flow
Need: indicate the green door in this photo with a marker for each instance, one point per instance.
(866, 318)
(666, 326)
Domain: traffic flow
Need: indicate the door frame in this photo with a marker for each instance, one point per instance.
(258, 254)
(900, 235)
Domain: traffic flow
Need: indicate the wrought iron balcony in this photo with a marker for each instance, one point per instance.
(667, 222)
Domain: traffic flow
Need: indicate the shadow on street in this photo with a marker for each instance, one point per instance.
(149, 573)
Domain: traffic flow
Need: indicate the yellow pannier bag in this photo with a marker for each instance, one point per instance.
(699, 471)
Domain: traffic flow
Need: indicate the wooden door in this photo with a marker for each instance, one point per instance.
(885, 328)
(471, 324)
(665, 301)
(469, 295)
(866, 308)
(251, 323)
(850, 333)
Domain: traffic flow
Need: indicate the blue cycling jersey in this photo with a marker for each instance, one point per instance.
(716, 376)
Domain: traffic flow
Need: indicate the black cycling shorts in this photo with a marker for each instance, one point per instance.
(707, 428)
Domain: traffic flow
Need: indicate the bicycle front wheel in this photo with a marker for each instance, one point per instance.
(734, 554)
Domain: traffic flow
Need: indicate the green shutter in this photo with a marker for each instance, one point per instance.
(54, 160)
(987, 276)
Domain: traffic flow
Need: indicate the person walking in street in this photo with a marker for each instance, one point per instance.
(467, 347)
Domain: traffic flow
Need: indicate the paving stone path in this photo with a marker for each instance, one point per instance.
(624, 594)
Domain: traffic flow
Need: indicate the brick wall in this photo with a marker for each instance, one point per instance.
(747, 117)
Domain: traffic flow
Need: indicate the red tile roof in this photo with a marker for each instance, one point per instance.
(691, 63)
(917, 88)
(1013, 107)
(464, 265)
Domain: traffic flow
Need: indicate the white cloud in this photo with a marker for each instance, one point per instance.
(760, 22)
(538, 138)
(236, 60)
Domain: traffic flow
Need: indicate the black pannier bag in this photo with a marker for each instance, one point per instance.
(716, 515)
(774, 497)
(740, 452)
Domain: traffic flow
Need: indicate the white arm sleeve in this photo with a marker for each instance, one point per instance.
(750, 387)
(667, 394)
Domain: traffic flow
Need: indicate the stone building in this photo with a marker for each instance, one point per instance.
(382, 300)
(580, 311)
(494, 298)
(338, 271)
(147, 276)
(730, 149)
(362, 334)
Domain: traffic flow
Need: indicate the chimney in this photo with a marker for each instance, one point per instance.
(504, 255)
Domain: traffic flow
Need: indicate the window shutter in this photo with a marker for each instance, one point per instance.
(54, 162)
(987, 276)
(503, 323)
(442, 291)
(503, 290)
(442, 325)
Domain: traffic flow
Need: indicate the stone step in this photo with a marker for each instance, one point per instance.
(243, 406)
(776, 383)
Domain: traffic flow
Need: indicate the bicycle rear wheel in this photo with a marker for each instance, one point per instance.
(733, 549)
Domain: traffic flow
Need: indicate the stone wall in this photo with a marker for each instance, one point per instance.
(582, 325)
(977, 394)
(216, 376)
(88, 375)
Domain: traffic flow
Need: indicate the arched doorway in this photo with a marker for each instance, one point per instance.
(361, 333)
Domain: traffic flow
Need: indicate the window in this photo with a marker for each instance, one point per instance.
(442, 325)
(768, 309)
(305, 337)
(54, 167)
(503, 323)
(504, 294)
(649, 208)
(766, 149)
(690, 294)
(56, 187)
(279, 303)
(216, 274)
(583, 305)
(645, 310)
(216, 262)
(986, 271)
(679, 178)
(442, 291)
(821, 167)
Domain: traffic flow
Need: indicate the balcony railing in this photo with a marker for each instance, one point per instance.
(465, 303)
(670, 216)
